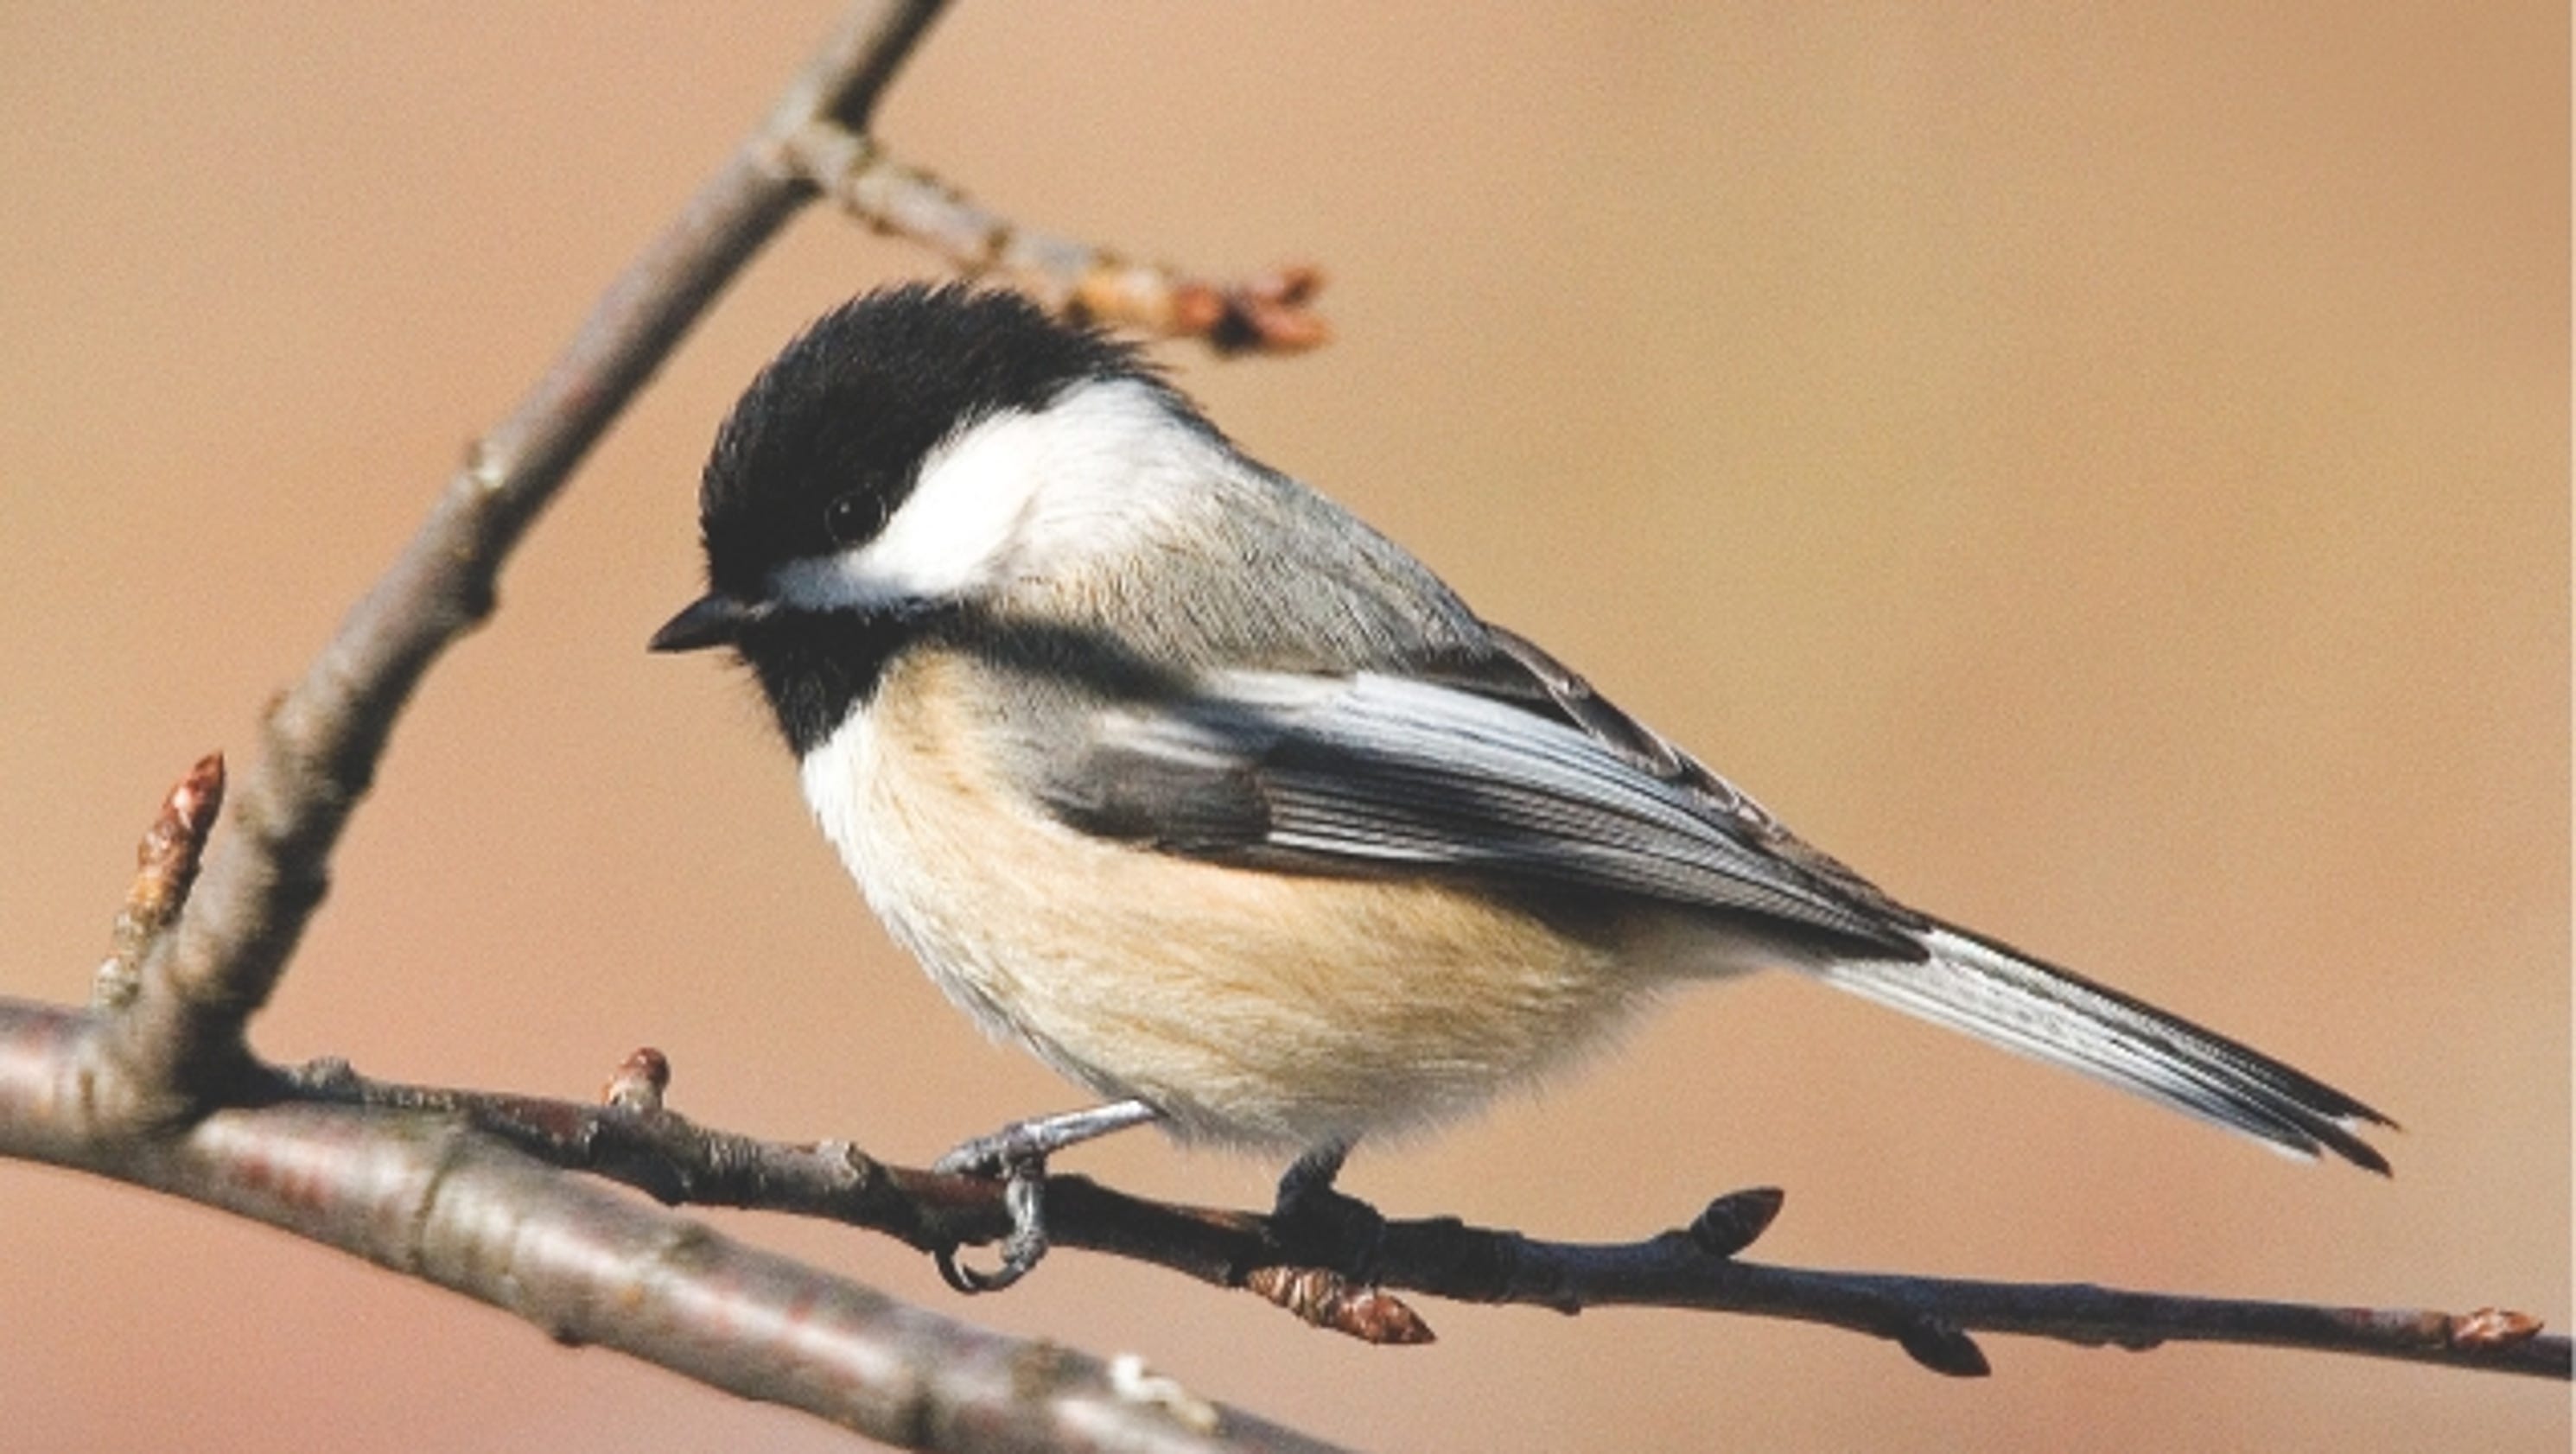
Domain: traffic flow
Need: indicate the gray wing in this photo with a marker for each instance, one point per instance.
(1374, 773)
(1506, 766)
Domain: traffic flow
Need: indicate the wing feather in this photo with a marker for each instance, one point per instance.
(1370, 772)
(1520, 773)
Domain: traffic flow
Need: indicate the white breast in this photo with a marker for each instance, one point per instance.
(862, 809)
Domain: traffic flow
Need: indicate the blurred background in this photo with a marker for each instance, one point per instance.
(2103, 472)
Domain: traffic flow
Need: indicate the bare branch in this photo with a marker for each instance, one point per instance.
(1340, 1283)
(427, 1195)
(180, 1042)
(1264, 314)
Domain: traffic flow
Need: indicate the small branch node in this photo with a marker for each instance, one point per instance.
(484, 468)
(113, 985)
(2492, 1328)
(827, 156)
(1263, 314)
(1133, 1382)
(1942, 1347)
(165, 864)
(1736, 1220)
(1324, 1298)
(639, 1082)
(323, 1078)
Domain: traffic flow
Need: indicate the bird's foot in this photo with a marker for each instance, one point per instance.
(1315, 1222)
(1016, 1156)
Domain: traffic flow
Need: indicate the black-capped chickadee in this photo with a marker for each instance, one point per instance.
(1176, 773)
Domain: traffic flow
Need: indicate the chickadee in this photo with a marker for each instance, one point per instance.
(1174, 772)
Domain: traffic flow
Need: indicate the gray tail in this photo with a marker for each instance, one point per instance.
(2011, 1000)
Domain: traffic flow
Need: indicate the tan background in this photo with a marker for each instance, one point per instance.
(2103, 474)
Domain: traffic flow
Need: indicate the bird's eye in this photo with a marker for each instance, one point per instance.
(852, 518)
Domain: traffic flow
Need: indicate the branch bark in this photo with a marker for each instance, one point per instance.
(1265, 314)
(455, 1186)
(180, 1042)
(428, 1195)
(1335, 1280)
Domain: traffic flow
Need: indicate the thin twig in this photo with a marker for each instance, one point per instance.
(1266, 313)
(180, 1042)
(643, 1144)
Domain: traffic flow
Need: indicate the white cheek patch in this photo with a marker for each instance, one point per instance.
(952, 533)
(995, 497)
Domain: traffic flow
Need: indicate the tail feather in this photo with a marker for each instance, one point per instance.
(2003, 996)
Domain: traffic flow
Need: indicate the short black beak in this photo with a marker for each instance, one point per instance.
(710, 620)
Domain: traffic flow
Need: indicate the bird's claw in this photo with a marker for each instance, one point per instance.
(1320, 1221)
(1012, 1157)
(1016, 1156)
(1024, 1193)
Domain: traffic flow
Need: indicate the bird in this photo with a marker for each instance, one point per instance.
(1174, 772)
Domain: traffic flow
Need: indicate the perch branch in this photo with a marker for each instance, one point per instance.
(636, 1140)
(429, 1196)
